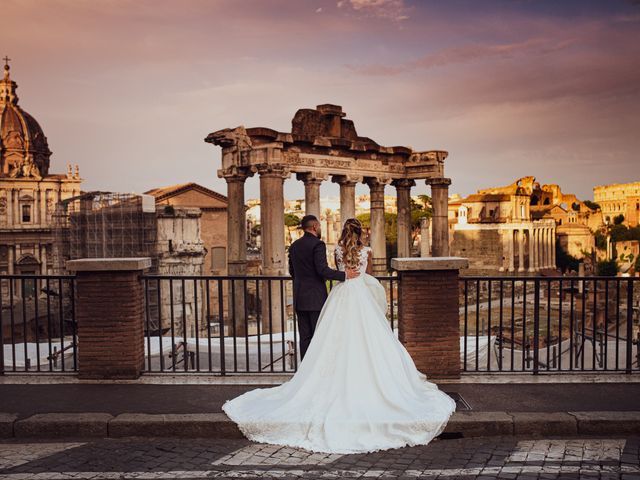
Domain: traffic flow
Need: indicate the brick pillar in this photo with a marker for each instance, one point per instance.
(429, 322)
(109, 299)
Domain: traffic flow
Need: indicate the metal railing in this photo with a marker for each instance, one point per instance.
(37, 324)
(246, 324)
(226, 324)
(549, 324)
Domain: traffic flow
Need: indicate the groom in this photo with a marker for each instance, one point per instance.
(309, 269)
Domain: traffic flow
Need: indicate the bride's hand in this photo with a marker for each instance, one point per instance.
(351, 273)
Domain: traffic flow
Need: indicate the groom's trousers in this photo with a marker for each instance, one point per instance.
(306, 326)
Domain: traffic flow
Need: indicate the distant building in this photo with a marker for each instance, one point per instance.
(515, 228)
(576, 221)
(619, 199)
(213, 222)
(28, 192)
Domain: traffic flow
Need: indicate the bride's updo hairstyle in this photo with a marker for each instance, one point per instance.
(351, 243)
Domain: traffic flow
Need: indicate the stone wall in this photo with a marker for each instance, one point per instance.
(483, 248)
(180, 252)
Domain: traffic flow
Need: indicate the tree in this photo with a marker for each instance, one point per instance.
(592, 205)
(607, 268)
(426, 201)
(565, 260)
(291, 221)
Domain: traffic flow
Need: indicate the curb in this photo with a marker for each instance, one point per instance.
(52, 425)
(218, 425)
(197, 425)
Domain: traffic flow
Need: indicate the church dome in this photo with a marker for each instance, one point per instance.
(24, 150)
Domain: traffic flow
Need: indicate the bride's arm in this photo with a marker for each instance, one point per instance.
(370, 263)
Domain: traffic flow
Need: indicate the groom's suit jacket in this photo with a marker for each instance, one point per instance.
(309, 269)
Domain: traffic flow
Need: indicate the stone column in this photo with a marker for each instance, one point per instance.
(425, 237)
(11, 259)
(520, 250)
(272, 233)
(429, 324)
(547, 249)
(10, 208)
(110, 302)
(330, 234)
(43, 259)
(312, 184)
(530, 243)
(378, 242)
(535, 263)
(553, 247)
(512, 252)
(542, 263)
(236, 248)
(43, 207)
(440, 216)
(541, 250)
(347, 196)
(403, 189)
(17, 215)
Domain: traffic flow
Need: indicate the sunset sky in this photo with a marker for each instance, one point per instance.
(129, 89)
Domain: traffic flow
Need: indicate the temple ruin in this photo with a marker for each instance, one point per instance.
(324, 145)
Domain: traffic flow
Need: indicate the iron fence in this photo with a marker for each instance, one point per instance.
(37, 324)
(226, 324)
(549, 324)
(246, 324)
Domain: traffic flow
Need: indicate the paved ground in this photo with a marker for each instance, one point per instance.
(498, 457)
(27, 400)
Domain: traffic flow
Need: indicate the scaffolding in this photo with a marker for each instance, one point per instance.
(104, 225)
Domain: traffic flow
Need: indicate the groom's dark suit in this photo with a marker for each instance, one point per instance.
(309, 269)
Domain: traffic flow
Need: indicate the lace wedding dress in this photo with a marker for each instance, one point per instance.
(357, 389)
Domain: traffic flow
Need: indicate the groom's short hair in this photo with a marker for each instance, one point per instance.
(307, 221)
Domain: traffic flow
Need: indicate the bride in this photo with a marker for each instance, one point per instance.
(357, 389)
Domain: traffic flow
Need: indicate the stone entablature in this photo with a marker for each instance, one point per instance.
(323, 143)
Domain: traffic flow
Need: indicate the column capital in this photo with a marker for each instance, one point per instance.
(235, 174)
(377, 183)
(438, 181)
(346, 179)
(312, 178)
(273, 170)
(403, 183)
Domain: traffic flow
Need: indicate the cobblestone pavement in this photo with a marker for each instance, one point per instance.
(496, 457)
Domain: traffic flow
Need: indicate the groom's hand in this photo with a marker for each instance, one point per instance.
(352, 273)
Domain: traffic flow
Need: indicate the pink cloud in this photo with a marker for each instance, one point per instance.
(394, 10)
(466, 54)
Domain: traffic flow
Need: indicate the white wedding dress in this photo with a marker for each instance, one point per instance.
(357, 389)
